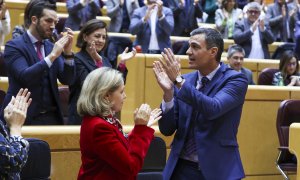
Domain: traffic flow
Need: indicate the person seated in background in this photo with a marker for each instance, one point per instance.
(106, 151)
(185, 14)
(80, 12)
(92, 39)
(253, 34)
(226, 16)
(288, 74)
(4, 22)
(235, 58)
(152, 24)
(13, 148)
(120, 12)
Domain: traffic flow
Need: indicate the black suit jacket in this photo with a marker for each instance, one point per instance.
(84, 65)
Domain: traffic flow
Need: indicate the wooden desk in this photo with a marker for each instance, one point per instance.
(294, 145)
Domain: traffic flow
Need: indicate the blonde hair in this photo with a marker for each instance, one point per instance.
(96, 86)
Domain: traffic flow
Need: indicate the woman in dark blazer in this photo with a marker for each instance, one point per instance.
(106, 151)
(92, 39)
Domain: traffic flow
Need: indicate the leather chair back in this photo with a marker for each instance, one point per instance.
(155, 161)
(266, 76)
(38, 165)
(64, 101)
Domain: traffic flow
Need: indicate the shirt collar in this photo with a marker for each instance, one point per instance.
(210, 75)
(32, 38)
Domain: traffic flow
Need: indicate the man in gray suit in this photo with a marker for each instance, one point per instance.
(120, 12)
(253, 34)
(235, 58)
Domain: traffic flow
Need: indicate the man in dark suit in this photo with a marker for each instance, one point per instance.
(235, 58)
(33, 62)
(203, 108)
(152, 25)
(253, 34)
(185, 14)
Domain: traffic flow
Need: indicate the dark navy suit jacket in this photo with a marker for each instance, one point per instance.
(25, 70)
(217, 113)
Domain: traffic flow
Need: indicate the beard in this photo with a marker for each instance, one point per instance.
(41, 32)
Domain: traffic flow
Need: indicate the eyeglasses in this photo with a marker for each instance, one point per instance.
(254, 12)
(292, 64)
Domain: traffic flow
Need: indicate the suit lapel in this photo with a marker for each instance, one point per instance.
(86, 59)
(31, 48)
(217, 79)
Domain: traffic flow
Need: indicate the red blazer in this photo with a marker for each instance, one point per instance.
(107, 154)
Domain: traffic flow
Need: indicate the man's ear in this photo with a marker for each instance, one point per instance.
(214, 51)
(34, 20)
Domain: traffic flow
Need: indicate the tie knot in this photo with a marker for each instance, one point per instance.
(204, 81)
(38, 44)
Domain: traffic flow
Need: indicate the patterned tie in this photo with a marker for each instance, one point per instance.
(190, 149)
(204, 81)
(38, 45)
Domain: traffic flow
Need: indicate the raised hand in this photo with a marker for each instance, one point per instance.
(262, 25)
(68, 45)
(163, 81)
(142, 115)
(159, 4)
(149, 12)
(3, 9)
(15, 112)
(171, 64)
(125, 56)
(154, 117)
(91, 49)
(254, 25)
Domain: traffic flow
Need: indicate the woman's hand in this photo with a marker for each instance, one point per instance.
(142, 115)
(125, 56)
(91, 49)
(294, 81)
(15, 112)
(154, 117)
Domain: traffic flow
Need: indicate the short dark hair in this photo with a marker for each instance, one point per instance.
(87, 29)
(36, 8)
(233, 49)
(213, 38)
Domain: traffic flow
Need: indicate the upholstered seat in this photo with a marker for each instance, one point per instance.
(64, 101)
(266, 76)
(155, 161)
(288, 113)
(3, 71)
(38, 165)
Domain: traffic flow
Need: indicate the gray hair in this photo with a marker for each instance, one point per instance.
(96, 86)
(233, 49)
(254, 5)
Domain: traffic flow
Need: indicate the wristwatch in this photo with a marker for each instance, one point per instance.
(178, 79)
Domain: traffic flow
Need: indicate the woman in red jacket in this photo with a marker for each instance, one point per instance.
(106, 151)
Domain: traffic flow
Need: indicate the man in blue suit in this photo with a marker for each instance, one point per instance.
(203, 109)
(33, 62)
(152, 24)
